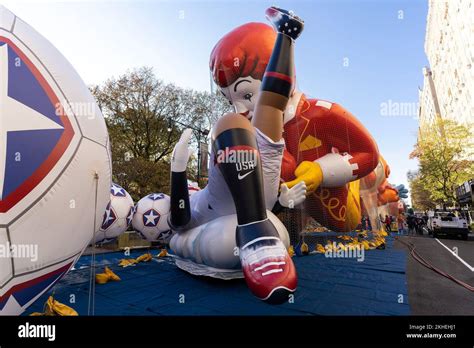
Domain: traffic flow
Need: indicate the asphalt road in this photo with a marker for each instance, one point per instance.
(430, 293)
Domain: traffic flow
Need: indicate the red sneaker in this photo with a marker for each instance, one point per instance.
(268, 268)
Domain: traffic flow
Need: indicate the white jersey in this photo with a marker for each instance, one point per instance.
(216, 200)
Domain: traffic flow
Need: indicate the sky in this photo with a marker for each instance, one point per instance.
(366, 55)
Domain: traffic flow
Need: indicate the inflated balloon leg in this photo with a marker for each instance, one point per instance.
(267, 267)
(278, 80)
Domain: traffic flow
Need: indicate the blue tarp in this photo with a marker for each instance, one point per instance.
(326, 286)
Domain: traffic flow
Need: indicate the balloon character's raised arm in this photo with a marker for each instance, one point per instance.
(180, 208)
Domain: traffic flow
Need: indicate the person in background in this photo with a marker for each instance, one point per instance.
(425, 218)
(364, 222)
(419, 223)
(401, 224)
(387, 222)
(411, 223)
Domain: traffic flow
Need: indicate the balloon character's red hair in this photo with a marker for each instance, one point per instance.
(245, 51)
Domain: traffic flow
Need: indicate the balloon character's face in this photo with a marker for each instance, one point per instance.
(377, 177)
(238, 63)
(242, 94)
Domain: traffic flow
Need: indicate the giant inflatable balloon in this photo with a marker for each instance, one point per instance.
(369, 192)
(387, 193)
(326, 145)
(117, 216)
(151, 217)
(209, 249)
(373, 180)
(54, 165)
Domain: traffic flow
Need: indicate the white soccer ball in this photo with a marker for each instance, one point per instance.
(54, 165)
(151, 218)
(117, 216)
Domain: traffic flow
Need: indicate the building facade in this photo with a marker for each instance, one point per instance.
(428, 102)
(449, 45)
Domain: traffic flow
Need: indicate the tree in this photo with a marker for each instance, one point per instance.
(145, 118)
(420, 197)
(445, 155)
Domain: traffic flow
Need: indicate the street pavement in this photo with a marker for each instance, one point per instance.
(429, 293)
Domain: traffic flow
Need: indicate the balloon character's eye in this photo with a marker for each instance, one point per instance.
(248, 96)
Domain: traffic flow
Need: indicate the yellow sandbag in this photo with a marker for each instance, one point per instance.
(102, 278)
(111, 274)
(320, 249)
(56, 308)
(127, 262)
(344, 237)
(304, 249)
(328, 247)
(144, 258)
(379, 241)
(162, 253)
(59, 308)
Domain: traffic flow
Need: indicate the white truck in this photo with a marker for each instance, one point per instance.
(447, 223)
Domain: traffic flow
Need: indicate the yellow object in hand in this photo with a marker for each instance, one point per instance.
(310, 173)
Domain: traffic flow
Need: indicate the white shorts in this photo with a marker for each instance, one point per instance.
(215, 200)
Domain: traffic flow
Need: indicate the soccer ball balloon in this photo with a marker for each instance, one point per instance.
(54, 165)
(151, 217)
(117, 216)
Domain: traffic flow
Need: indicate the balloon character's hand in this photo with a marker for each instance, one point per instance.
(310, 173)
(291, 197)
(181, 152)
(402, 191)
